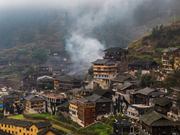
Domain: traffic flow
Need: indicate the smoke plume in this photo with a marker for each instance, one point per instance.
(83, 51)
(82, 45)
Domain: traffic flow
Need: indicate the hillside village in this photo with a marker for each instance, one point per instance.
(132, 90)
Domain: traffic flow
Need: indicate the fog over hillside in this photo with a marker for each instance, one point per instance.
(82, 26)
(111, 21)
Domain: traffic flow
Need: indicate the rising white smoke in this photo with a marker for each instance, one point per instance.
(83, 51)
(81, 45)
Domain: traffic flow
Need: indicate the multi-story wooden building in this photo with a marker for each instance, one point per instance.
(103, 105)
(143, 67)
(29, 81)
(154, 123)
(19, 127)
(167, 60)
(82, 111)
(45, 83)
(54, 101)
(66, 83)
(162, 105)
(73, 110)
(170, 60)
(35, 104)
(12, 103)
(104, 71)
(85, 111)
(125, 88)
(135, 111)
(175, 98)
(116, 54)
(44, 70)
(145, 96)
(122, 127)
(177, 59)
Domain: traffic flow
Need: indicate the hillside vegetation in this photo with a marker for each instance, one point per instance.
(151, 46)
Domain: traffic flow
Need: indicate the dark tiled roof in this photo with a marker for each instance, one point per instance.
(93, 97)
(15, 122)
(123, 77)
(97, 98)
(68, 78)
(26, 124)
(83, 100)
(143, 64)
(102, 92)
(74, 101)
(4, 133)
(155, 119)
(104, 62)
(33, 98)
(41, 125)
(126, 85)
(162, 101)
(103, 100)
(145, 91)
(45, 131)
(157, 93)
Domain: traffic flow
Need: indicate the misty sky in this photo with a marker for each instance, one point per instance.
(60, 3)
(65, 3)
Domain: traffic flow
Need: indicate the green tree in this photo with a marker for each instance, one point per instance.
(147, 80)
(40, 56)
(156, 31)
(173, 80)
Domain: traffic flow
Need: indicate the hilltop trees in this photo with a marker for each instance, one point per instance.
(156, 31)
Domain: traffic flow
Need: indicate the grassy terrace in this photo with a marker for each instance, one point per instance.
(19, 117)
(68, 126)
(98, 128)
(56, 123)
